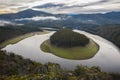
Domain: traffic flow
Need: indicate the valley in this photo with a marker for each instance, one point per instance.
(59, 40)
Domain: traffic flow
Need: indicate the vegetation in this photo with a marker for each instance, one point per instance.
(19, 38)
(68, 38)
(15, 36)
(110, 32)
(14, 67)
(75, 53)
(8, 32)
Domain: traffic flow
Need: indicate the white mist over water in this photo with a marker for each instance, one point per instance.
(37, 18)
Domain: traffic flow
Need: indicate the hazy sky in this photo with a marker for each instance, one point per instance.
(60, 6)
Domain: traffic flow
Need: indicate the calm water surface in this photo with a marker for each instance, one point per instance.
(107, 58)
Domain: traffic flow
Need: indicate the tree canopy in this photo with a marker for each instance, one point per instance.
(68, 38)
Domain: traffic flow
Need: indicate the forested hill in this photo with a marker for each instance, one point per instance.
(9, 31)
(110, 32)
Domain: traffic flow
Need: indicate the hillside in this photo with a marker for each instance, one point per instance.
(99, 18)
(110, 32)
(14, 67)
(8, 31)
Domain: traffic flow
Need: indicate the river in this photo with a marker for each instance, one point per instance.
(107, 58)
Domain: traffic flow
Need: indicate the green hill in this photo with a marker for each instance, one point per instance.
(70, 45)
(68, 38)
(110, 32)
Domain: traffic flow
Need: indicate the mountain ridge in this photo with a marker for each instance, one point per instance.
(64, 19)
(24, 14)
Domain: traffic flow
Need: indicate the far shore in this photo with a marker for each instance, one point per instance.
(19, 38)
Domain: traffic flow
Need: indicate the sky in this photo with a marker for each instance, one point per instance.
(60, 6)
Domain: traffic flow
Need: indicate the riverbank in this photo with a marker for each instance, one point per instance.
(107, 58)
(19, 38)
(74, 53)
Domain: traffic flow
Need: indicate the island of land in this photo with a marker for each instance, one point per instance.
(68, 44)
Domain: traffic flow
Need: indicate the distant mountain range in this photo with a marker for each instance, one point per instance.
(107, 18)
(32, 17)
(24, 14)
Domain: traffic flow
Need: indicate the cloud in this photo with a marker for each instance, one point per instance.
(86, 6)
(49, 5)
(61, 6)
(3, 23)
(37, 18)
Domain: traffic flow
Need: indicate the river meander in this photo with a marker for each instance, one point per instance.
(107, 58)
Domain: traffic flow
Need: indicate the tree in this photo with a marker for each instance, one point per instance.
(68, 38)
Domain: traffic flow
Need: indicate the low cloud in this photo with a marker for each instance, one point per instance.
(3, 23)
(37, 18)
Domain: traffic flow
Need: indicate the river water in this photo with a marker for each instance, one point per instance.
(107, 58)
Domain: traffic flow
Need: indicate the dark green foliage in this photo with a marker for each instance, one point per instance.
(68, 38)
(110, 32)
(12, 64)
(14, 67)
(80, 70)
(91, 73)
(8, 32)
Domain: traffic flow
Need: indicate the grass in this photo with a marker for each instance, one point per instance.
(75, 53)
(19, 38)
